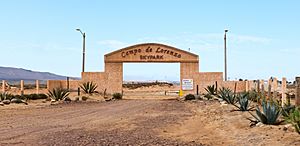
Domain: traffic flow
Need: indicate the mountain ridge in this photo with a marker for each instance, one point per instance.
(13, 74)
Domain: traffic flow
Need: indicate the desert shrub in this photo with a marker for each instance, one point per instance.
(287, 109)
(227, 95)
(294, 119)
(20, 97)
(117, 96)
(254, 96)
(268, 115)
(84, 98)
(243, 101)
(58, 94)
(36, 96)
(89, 87)
(189, 97)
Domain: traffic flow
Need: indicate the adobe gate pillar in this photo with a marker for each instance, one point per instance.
(114, 73)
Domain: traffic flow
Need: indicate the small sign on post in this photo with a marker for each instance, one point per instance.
(187, 84)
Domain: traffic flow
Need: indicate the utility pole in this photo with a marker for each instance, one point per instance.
(83, 49)
(225, 55)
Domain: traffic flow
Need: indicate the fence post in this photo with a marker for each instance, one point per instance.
(3, 86)
(269, 88)
(68, 83)
(283, 91)
(247, 86)
(22, 87)
(262, 87)
(37, 85)
(258, 85)
(197, 90)
(297, 99)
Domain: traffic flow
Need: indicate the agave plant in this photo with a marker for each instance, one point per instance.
(6, 96)
(58, 94)
(294, 119)
(269, 114)
(244, 102)
(212, 90)
(227, 95)
(89, 87)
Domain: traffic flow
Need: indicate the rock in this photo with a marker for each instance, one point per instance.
(67, 99)
(76, 99)
(289, 127)
(6, 101)
(17, 100)
(1, 104)
(198, 97)
(223, 103)
(259, 124)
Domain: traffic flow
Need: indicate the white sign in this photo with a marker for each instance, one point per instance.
(187, 84)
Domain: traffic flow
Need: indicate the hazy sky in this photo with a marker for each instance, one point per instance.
(263, 37)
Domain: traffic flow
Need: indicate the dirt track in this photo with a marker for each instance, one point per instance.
(126, 122)
(136, 122)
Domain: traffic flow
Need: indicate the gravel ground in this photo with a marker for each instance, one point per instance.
(125, 122)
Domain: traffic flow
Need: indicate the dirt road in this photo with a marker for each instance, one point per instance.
(136, 122)
(125, 122)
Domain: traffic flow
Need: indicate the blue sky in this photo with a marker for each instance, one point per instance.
(263, 37)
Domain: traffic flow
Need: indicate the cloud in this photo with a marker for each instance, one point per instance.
(113, 44)
(249, 39)
(209, 42)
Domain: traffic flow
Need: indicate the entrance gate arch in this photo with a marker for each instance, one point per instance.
(111, 79)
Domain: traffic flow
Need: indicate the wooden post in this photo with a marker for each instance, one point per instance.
(269, 88)
(297, 99)
(3, 86)
(37, 85)
(262, 86)
(283, 92)
(197, 90)
(78, 91)
(68, 83)
(247, 86)
(22, 87)
(275, 85)
(258, 85)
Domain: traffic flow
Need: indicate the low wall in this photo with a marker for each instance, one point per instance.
(73, 84)
(100, 78)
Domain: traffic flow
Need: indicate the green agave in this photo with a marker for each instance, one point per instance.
(269, 114)
(89, 87)
(212, 90)
(244, 102)
(58, 94)
(227, 95)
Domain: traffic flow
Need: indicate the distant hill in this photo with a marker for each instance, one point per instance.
(17, 74)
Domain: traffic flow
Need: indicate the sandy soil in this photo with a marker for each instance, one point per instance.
(93, 123)
(146, 117)
(135, 122)
(215, 124)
